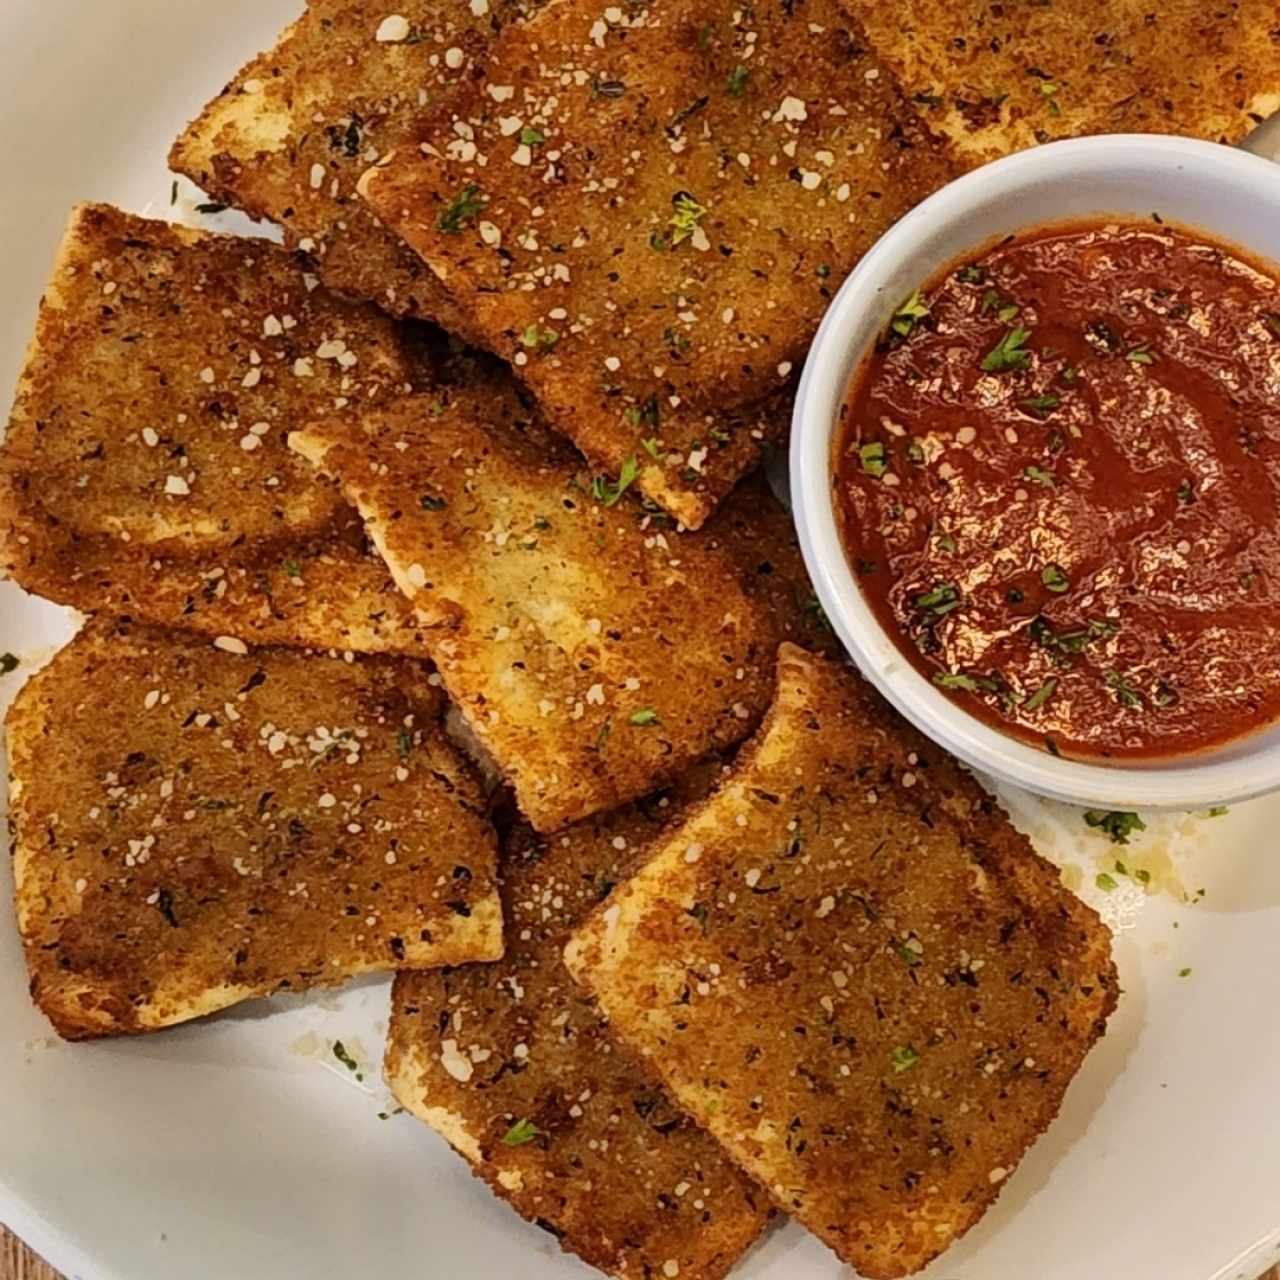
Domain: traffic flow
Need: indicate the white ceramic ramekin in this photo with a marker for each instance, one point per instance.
(1231, 195)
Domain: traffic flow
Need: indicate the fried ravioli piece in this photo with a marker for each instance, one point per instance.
(518, 1072)
(647, 210)
(289, 137)
(996, 78)
(194, 825)
(330, 592)
(593, 651)
(145, 470)
(851, 970)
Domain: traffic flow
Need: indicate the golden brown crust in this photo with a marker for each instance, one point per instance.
(131, 483)
(193, 825)
(594, 651)
(995, 78)
(492, 1054)
(290, 136)
(855, 974)
(630, 319)
(167, 368)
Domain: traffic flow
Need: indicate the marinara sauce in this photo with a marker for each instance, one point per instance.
(1059, 484)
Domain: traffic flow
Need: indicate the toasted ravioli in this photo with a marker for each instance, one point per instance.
(290, 136)
(851, 970)
(167, 368)
(647, 211)
(519, 1073)
(995, 78)
(593, 650)
(145, 470)
(194, 824)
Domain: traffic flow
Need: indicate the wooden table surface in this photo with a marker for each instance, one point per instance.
(17, 1263)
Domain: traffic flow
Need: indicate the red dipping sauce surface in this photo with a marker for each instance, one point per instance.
(1058, 479)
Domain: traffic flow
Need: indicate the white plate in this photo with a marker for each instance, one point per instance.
(215, 1152)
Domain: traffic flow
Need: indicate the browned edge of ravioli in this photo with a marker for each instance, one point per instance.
(851, 969)
(647, 212)
(516, 1069)
(194, 825)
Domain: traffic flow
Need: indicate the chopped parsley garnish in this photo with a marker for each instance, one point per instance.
(1186, 494)
(1218, 811)
(292, 569)
(1164, 695)
(532, 137)
(699, 912)
(1067, 642)
(1040, 476)
(1140, 874)
(688, 214)
(606, 493)
(1184, 973)
(945, 543)
(1106, 882)
(1041, 696)
(904, 1057)
(1050, 92)
(464, 208)
(1126, 694)
(430, 502)
(908, 315)
(873, 459)
(737, 81)
(1009, 353)
(645, 716)
(1054, 579)
(676, 340)
(1116, 823)
(972, 274)
(533, 337)
(1069, 376)
(1141, 355)
(521, 1132)
(1006, 311)
(940, 600)
(8, 663)
(340, 1052)
(956, 680)
(1041, 405)
(908, 957)
(404, 744)
(650, 446)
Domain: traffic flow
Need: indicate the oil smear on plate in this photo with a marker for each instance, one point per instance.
(1118, 862)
